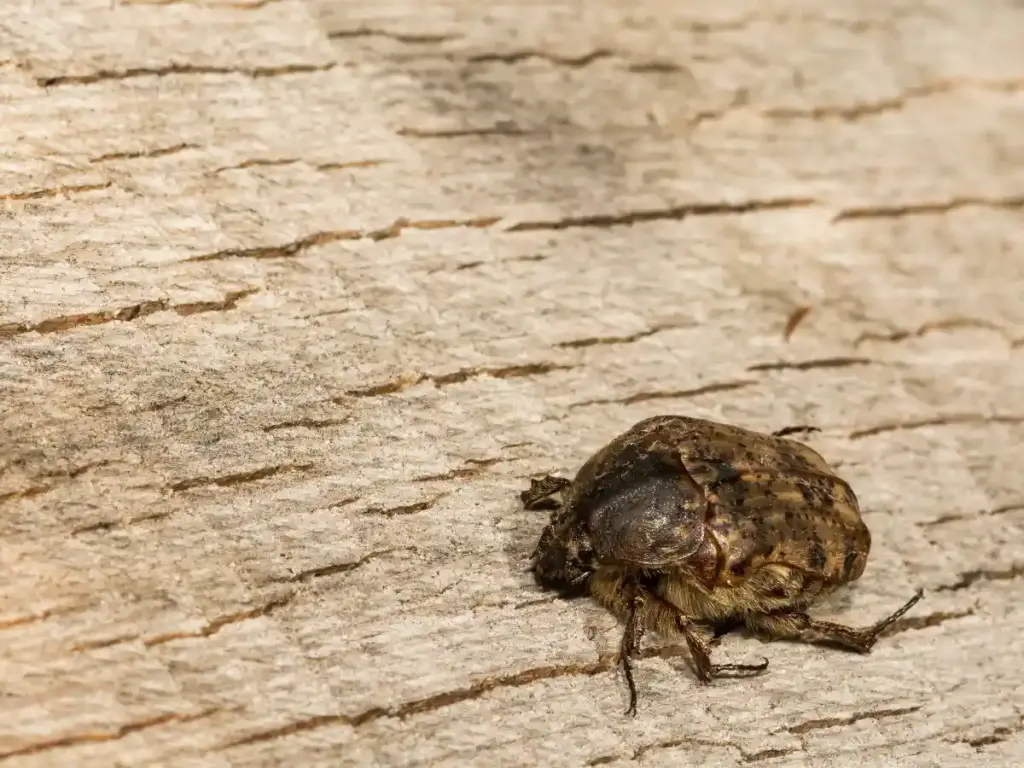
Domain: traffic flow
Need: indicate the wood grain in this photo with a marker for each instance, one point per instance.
(295, 297)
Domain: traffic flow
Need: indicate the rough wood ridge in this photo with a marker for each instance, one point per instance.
(295, 297)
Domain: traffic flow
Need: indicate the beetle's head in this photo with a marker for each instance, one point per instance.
(564, 558)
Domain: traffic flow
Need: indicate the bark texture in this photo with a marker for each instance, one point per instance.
(295, 297)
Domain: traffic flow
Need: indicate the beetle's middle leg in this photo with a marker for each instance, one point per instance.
(700, 652)
(540, 494)
(797, 625)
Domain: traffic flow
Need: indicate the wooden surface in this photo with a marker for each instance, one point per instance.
(296, 296)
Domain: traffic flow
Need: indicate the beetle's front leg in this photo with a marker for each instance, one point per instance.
(631, 645)
(541, 492)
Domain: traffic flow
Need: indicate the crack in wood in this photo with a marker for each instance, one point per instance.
(604, 663)
(739, 99)
(686, 741)
(656, 67)
(1000, 734)
(24, 493)
(230, 301)
(515, 57)
(969, 578)
(1006, 508)
(943, 519)
(456, 377)
(806, 365)
(216, 625)
(627, 339)
(935, 421)
(674, 213)
(36, 194)
(286, 250)
(167, 70)
(139, 153)
(258, 162)
(161, 405)
(640, 397)
(104, 642)
(275, 162)
(48, 613)
(101, 526)
(297, 247)
(340, 165)
(149, 518)
(501, 129)
(942, 324)
(346, 502)
(852, 112)
(125, 314)
(73, 472)
(95, 737)
(520, 444)
(396, 227)
(958, 516)
(468, 265)
(833, 722)
(767, 754)
(476, 467)
(401, 37)
(238, 6)
(238, 478)
(1010, 203)
(307, 575)
(307, 424)
(745, 21)
(405, 509)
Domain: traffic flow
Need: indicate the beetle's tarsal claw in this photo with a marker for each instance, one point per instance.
(892, 618)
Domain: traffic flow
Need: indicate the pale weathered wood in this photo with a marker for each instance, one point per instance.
(295, 297)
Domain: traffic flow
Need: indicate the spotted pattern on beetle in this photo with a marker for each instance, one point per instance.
(681, 525)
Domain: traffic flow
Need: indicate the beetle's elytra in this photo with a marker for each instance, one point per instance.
(681, 522)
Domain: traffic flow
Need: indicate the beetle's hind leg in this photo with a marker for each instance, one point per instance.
(796, 625)
(541, 492)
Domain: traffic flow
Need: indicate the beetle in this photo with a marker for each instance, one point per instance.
(680, 523)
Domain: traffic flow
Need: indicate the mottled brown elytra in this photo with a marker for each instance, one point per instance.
(680, 523)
